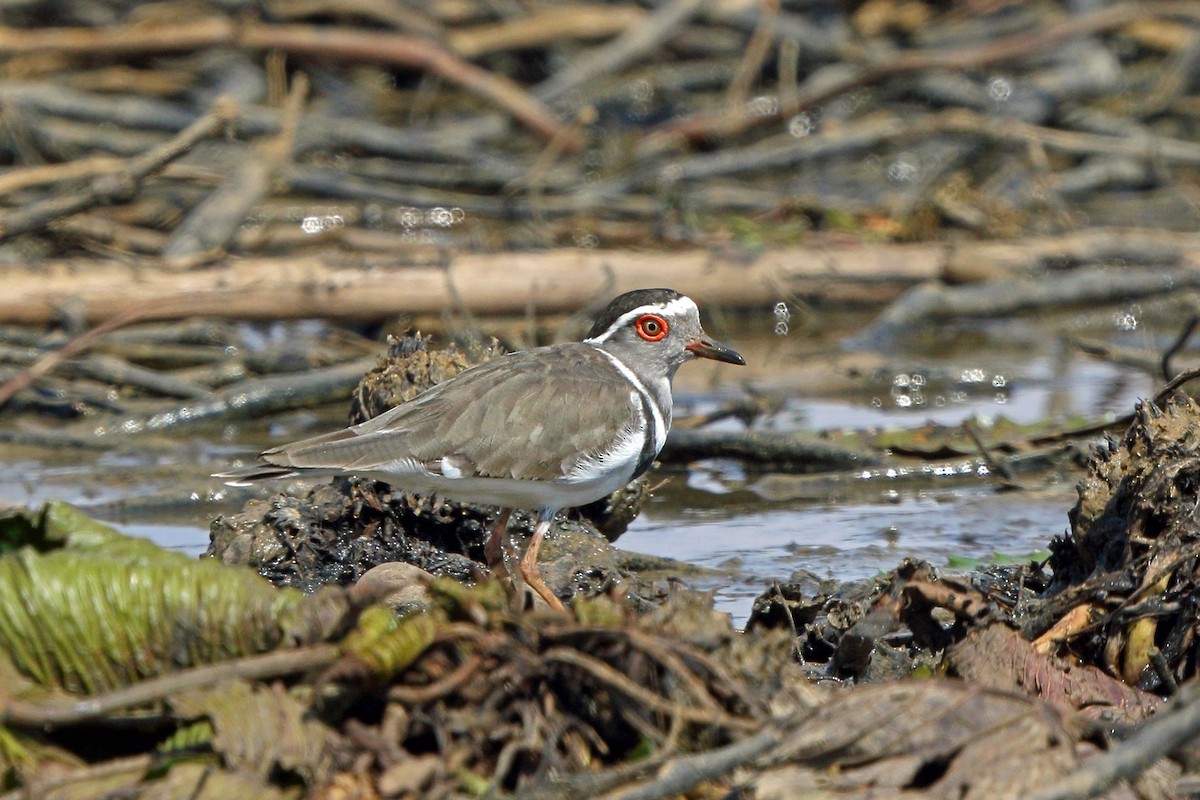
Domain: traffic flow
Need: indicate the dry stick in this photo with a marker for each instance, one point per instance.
(357, 45)
(626, 48)
(783, 151)
(1016, 46)
(535, 177)
(677, 776)
(123, 184)
(418, 695)
(1166, 731)
(48, 362)
(1122, 421)
(287, 661)
(91, 167)
(335, 43)
(618, 682)
(789, 68)
(214, 222)
(1179, 380)
(753, 59)
(119, 39)
(1177, 345)
(54, 358)
(545, 27)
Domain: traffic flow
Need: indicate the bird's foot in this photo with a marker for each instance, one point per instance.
(529, 568)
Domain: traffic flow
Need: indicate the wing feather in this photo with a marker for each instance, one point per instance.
(531, 415)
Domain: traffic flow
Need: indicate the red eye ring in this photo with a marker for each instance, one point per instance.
(651, 327)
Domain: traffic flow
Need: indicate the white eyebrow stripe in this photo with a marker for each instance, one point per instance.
(672, 308)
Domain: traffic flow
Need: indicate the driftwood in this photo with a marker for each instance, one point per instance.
(378, 288)
(730, 128)
(427, 282)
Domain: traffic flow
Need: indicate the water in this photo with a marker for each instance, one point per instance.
(747, 527)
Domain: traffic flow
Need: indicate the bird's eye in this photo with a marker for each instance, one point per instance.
(651, 327)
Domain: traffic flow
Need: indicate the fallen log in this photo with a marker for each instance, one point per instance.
(375, 288)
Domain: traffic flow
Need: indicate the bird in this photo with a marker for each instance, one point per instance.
(542, 429)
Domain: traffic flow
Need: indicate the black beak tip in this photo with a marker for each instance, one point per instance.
(717, 352)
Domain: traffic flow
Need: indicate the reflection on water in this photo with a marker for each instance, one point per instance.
(844, 541)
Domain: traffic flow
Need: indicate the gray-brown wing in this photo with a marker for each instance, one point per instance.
(530, 415)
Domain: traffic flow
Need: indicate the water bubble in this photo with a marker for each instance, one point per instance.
(762, 106)
(408, 217)
(783, 316)
(1000, 89)
(973, 375)
(670, 174)
(641, 91)
(319, 224)
(1125, 321)
(902, 170)
(999, 381)
(801, 125)
(441, 217)
(586, 241)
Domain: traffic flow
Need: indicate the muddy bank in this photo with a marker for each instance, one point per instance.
(1058, 680)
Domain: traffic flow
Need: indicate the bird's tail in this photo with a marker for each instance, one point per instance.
(247, 476)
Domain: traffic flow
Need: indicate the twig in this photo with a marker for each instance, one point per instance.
(1167, 730)
(281, 662)
(789, 67)
(864, 134)
(121, 185)
(16, 179)
(677, 776)
(1179, 380)
(997, 466)
(211, 224)
(545, 26)
(1173, 349)
(417, 695)
(48, 362)
(752, 60)
(118, 39)
(708, 126)
(626, 48)
(384, 48)
(245, 400)
(620, 683)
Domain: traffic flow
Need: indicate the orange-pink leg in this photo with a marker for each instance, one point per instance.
(529, 567)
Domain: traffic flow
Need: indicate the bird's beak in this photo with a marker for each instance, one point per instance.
(702, 348)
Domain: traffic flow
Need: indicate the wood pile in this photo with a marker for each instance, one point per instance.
(298, 154)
